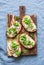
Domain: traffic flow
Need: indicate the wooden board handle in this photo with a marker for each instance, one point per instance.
(9, 18)
(22, 11)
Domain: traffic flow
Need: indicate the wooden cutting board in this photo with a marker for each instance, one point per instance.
(25, 51)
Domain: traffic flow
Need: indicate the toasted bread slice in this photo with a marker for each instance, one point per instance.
(26, 41)
(14, 29)
(14, 47)
(28, 24)
(16, 24)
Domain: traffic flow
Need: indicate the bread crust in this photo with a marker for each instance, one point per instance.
(32, 22)
(9, 50)
(28, 36)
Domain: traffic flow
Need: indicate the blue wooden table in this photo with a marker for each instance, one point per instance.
(32, 7)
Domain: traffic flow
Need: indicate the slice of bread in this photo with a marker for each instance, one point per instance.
(28, 23)
(16, 26)
(10, 50)
(26, 41)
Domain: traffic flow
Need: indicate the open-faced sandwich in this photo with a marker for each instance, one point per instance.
(28, 24)
(26, 41)
(14, 29)
(14, 47)
(21, 34)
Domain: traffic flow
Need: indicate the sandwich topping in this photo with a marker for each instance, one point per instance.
(17, 25)
(28, 23)
(11, 32)
(27, 41)
(15, 48)
(14, 29)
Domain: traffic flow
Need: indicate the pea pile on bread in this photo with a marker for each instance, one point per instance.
(20, 40)
(28, 24)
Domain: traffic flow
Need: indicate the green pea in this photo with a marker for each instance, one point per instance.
(16, 24)
(29, 43)
(23, 38)
(10, 30)
(27, 21)
(14, 45)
